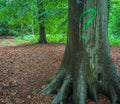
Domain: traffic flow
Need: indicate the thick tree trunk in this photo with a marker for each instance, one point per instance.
(87, 68)
(41, 17)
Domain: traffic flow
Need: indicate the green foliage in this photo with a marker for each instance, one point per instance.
(114, 40)
(114, 17)
(58, 38)
(20, 18)
(27, 38)
(114, 24)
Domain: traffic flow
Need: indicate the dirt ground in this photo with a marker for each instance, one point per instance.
(24, 70)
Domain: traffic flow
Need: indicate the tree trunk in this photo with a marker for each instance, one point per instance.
(87, 68)
(42, 34)
(33, 23)
(22, 31)
(41, 17)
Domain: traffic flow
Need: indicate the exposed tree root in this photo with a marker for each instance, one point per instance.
(55, 84)
(113, 95)
(111, 92)
(64, 92)
(80, 93)
(93, 92)
(110, 84)
(114, 87)
(78, 87)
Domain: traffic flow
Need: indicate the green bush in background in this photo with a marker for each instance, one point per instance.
(114, 23)
(18, 18)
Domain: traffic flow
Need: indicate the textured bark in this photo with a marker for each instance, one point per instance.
(87, 68)
(41, 17)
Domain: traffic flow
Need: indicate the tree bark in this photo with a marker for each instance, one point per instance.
(87, 68)
(41, 17)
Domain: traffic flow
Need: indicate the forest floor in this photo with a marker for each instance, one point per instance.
(24, 70)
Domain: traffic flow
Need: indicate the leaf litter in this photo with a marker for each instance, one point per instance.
(24, 70)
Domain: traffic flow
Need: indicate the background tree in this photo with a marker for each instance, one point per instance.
(87, 67)
(21, 18)
(41, 18)
(4, 30)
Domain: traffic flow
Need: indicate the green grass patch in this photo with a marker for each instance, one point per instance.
(26, 39)
(58, 38)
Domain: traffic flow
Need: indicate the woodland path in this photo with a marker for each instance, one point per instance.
(24, 70)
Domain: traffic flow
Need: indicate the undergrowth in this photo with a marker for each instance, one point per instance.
(113, 40)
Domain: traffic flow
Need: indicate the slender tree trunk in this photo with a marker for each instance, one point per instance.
(22, 32)
(33, 31)
(42, 34)
(41, 17)
(87, 68)
(33, 22)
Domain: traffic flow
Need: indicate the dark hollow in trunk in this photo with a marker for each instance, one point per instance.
(87, 68)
